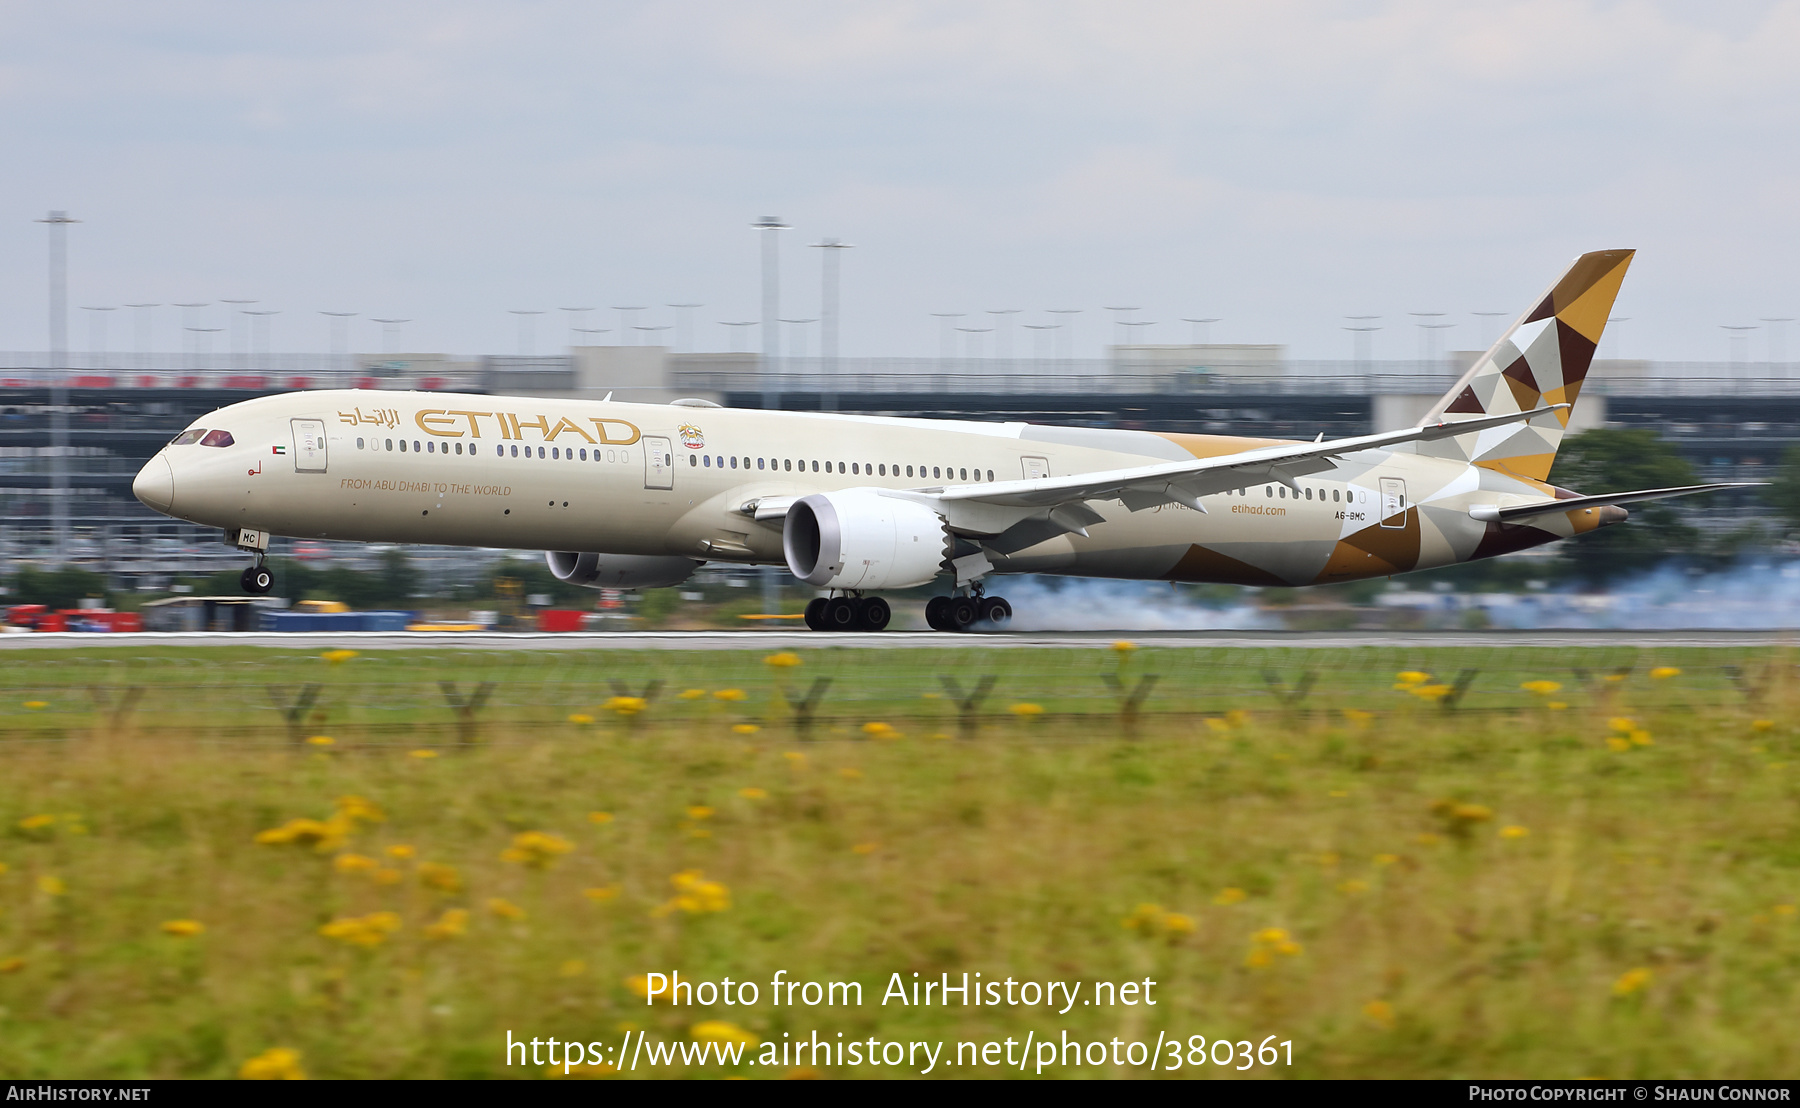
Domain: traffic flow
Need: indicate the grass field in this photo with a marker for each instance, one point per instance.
(1434, 876)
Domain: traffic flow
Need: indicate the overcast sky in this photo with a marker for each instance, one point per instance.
(1278, 165)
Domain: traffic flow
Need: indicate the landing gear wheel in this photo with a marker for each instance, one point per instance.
(875, 614)
(815, 613)
(934, 614)
(960, 612)
(257, 580)
(841, 613)
(996, 610)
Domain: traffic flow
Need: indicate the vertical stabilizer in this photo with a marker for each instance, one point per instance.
(1542, 358)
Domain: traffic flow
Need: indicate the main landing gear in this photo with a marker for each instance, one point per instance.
(959, 613)
(848, 613)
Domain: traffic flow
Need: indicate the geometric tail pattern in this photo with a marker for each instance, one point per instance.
(1542, 358)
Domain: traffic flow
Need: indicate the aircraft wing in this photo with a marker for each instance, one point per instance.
(1186, 482)
(1519, 512)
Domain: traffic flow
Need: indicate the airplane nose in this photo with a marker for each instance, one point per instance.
(155, 484)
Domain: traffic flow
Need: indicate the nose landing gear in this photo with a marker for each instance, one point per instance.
(848, 613)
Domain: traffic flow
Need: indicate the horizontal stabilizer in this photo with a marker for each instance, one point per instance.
(1519, 512)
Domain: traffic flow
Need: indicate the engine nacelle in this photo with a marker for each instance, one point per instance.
(619, 571)
(860, 539)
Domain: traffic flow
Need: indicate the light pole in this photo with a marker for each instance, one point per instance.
(340, 339)
(141, 317)
(1427, 333)
(736, 331)
(771, 227)
(573, 314)
(652, 330)
(684, 326)
(947, 334)
(190, 319)
(1002, 332)
(59, 385)
(1200, 328)
(1040, 341)
(593, 331)
(1487, 342)
(527, 335)
(390, 335)
(799, 345)
(1739, 341)
(236, 353)
(627, 320)
(972, 344)
(97, 353)
(1362, 340)
(268, 345)
(1118, 331)
(1618, 355)
(828, 314)
(203, 345)
(1068, 330)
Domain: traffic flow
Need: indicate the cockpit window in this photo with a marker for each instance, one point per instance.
(216, 438)
(188, 437)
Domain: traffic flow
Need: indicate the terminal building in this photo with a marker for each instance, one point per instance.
(1732, 421)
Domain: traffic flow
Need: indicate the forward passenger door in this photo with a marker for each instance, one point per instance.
(659, 463)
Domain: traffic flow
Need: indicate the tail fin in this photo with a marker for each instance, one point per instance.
(1542, 359)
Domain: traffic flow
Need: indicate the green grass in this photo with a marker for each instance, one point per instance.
(1424, 941)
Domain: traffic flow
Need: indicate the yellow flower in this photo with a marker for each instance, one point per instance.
(453, 924)
(751, 792)
(600, 894)
(745, 728)
(368, 931)
(278, 1063)
(504, 908)
(639, 985)
(784, 660)
(1622, 724)
(1177, 923)
(401, 851)
(321, 740)
(1542, 688)
(1430, 692)
(1514, 831)
(729, 694)
(11, 965)
(183, 928)
(1124, 646)
(1614, 677)
(1617, 745)
(356, 808)
(691, 694)
(850, 773)
(699, 811)
(1145, 917)
(574, 967)
(1386, 859)
(1026, 711)
(695, 895)
(1663, 673)
(1357, 715)
(1631, 981)
(1784, 909)
(41, 822)
(422, 754)
(1353, 887)
(1557, 705)
(1214, 723)
(878, 730)
(600, 817)
(536, 849)
(436, 875)
(387, 876)
(1269, 942)
(1340, 793)
(354, 863)
(795, 758)
(626, 705)
(1381, 1013)
(36, 705)
(1231, 894)
(580, 719)
(865, 848)
(337, 657)
(1641, 737)
(718, 1031)
(1412, 677)
(51, 886)
(1762, 725)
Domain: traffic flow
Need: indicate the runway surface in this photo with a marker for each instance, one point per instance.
(900, 640)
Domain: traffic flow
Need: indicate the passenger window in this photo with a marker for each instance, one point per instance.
(693, 461)
(555, 453)
(734, 462)
(1269, 493)
(1309, 492)
(965, 474)
(188, 438)
(990, 475)
(815, 467)
(1334, 496)
(390, 444)
(515, 450)
(934, 471)
(359, 442)
(709, 461)
(1281, 491)
(540, 452)
(459, 448)
(786, 464)
(909, 472)
(883, 469)
(759, 463)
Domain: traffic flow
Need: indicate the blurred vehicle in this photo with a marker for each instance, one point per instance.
(311, 552)
(321, 606)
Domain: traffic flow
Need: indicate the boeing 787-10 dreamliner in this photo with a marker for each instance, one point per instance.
(628, 496)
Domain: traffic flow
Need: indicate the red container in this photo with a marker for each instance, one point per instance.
(559, 619)
(91, 382)
(299, 382)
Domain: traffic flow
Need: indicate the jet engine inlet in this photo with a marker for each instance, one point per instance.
(619, 571)
(858, 539)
